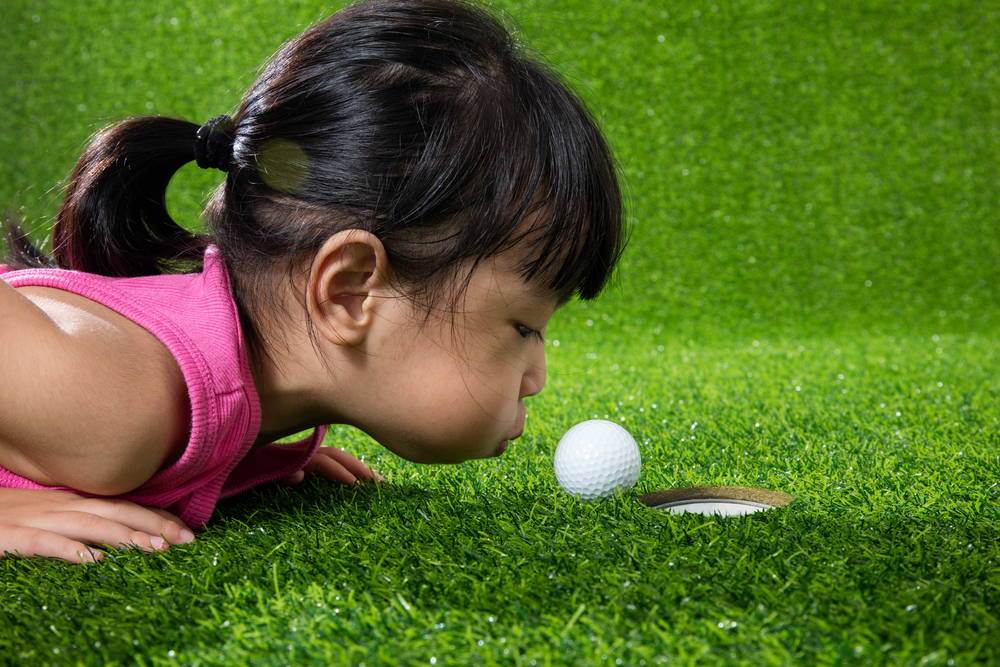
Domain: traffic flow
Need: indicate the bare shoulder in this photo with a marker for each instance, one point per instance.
(91, 399)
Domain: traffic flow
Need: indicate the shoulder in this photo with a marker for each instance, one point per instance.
(101, 403)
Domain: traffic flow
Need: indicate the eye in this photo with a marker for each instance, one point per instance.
(528, 332)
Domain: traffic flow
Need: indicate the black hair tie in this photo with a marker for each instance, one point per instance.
(213, 145)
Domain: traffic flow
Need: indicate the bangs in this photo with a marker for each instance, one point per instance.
(555, 193)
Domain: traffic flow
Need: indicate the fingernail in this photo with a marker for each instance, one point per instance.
(186, 536)
(158, 543)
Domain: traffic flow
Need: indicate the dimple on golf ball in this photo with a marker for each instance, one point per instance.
(596, 457)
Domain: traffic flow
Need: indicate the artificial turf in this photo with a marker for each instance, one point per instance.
(809, 304)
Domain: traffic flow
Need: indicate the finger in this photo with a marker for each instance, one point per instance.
(332, 470)
(95, 529)
(184, 534)
(350, 463)
(34, 542)
(293, 479)
(146, 520)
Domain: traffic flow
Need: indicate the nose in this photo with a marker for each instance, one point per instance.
(533, 379)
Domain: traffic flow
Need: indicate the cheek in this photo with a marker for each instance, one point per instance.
(491, 372)
(439, 390)
(463, 374)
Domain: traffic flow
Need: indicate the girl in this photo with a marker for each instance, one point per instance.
(408, 200)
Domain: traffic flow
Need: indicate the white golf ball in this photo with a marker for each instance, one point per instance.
(596, 457)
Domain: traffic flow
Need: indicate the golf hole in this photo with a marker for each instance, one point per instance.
(716, 500)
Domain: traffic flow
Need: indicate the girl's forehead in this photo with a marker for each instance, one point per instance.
(503, 276)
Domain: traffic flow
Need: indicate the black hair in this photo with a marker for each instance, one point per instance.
(421, 121)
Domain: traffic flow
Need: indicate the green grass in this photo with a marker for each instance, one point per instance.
(812, 281)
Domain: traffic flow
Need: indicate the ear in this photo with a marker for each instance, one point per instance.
(349, 275)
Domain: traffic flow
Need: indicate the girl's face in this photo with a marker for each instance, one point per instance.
(452, 388)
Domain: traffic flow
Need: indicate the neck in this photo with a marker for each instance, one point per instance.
(294, 388)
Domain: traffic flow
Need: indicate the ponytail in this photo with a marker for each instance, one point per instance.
(114, 219)
(21, 252)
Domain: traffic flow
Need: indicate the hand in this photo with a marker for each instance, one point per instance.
(334, 465)
(60, 524)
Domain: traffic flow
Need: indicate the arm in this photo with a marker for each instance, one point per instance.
(90, 399)
(58, 524)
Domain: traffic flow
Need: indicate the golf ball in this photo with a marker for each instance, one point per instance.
(596, 457)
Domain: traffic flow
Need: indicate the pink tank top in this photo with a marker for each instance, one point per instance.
(195, 317)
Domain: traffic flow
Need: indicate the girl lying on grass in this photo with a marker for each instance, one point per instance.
(408, 200)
